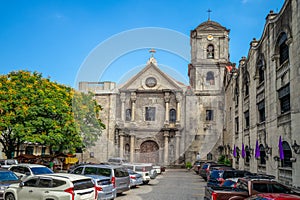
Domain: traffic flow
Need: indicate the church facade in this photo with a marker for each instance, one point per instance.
(154, 118)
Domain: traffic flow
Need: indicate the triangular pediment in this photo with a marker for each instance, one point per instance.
(211, 26)
(152, 78)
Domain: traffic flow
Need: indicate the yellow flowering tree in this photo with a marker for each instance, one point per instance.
(35, 109)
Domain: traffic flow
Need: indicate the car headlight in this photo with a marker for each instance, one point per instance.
(3, 187)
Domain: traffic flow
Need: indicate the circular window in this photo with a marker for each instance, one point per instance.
(151, 82)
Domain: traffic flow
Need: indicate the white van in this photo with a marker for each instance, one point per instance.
(142, 168)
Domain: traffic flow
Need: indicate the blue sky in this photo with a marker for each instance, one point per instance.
(56, 38)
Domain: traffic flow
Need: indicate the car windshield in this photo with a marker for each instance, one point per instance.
(8, 176)
(41, 170)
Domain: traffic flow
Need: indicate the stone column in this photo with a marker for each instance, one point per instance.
(133, 99)
(132, 147)
(121, 145)
(178, 107)
(167, 101)
(177, 150)
(166, 147)
(123, 106)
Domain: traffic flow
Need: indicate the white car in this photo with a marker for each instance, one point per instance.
(23, 171)
(142, 168)
(58, 186)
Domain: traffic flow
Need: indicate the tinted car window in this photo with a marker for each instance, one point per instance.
(104, 172)
(78, 170)
(31, 183)
(41, 170)
(44, 183)
(228, 183)
(216, 174)
(83, 184)
(119, 172)
(8, 176)
(276, 188)
(260, 187)
(57, 183)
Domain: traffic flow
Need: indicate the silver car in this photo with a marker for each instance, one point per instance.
(118, 174)
(104, 187)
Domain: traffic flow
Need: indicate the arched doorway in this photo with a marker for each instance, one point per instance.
(149, 152)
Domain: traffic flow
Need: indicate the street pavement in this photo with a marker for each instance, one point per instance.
(174, 184)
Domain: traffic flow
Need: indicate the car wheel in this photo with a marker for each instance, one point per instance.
(145, 182)
(10, 196)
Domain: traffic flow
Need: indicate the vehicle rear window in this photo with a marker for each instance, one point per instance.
(205, 166)
(97, 171)
(228, 183)
(216, 174)
(83, 184)
(120, 172)
(104, 182)
(260, 187)
(41, 170)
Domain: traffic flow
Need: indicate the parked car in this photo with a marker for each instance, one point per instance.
(229, 182)
(217, 177)
(58, 186)
(204, 170)
(117, 161)
(104, 187)
(158, 168)
(141, 168)
(6, 178)
(6, 163)
(196, 166)
(118, 174)
(273, 196)
(246, 187)
(135, 178)
(25, 170)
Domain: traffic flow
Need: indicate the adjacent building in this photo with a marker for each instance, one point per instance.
(262, 100)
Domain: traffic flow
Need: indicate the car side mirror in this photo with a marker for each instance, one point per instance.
(21, 184)
(27, 173)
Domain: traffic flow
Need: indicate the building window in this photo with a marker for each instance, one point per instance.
(236, 125)
(128, 115)
(286, 162)
(236, 95)
(29, 150)
(150, 114)
(262, 154)
(261, 111)
(246, 86)
(44, 150)
(210, 78)
(210, 51)
(209, 115)
(261, 71)
(172, 115)
(248, 155)
(247, 119)
(283, 49)
(284, 98)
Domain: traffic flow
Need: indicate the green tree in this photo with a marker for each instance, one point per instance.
(86, 113)
(34, 109)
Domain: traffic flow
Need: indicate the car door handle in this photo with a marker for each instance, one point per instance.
(46, 191)
(30, 191)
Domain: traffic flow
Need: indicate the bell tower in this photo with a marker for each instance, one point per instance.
(209, 56)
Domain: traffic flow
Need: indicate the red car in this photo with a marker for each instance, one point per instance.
(273, 196)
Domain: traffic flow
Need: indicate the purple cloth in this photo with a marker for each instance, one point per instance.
(234, 151)
(243, 151)
(257, 151)
(281, 154)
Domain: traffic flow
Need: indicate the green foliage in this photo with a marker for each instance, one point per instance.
(87, 117)
(34, 109)
(221, 159)
(188, 165)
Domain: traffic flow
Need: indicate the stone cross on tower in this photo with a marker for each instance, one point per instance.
(152, 51)
(208, 11)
